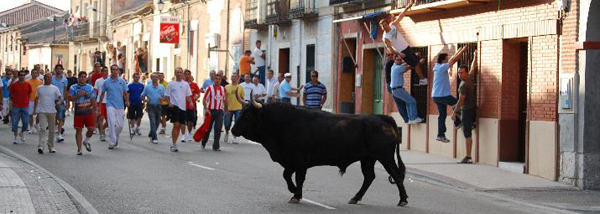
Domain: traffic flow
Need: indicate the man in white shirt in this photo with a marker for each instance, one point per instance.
(259, 93)
(248, 87)
(177, 93)
(259, 61)
(271, 81)
(48, 96)
(397, 45)
(102, 125)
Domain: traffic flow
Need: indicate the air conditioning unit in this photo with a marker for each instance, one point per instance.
(212, 40)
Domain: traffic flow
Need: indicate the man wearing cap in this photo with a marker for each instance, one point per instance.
(286, 92)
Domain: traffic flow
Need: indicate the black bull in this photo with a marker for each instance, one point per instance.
(299, 138)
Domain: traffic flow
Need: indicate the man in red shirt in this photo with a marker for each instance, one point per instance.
(96, 74)
(20, 92)
(191, 112)
(215, 101)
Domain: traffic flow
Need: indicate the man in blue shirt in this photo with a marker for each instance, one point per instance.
(5, 96)
(60, 81)
(154, 93)
(315, 93)
(114, 91)
(135, 111)
(286, 92)
(84, 99)
(398, 91)
(441, 90)
(209, 81)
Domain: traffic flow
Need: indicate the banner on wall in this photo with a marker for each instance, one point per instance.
(169, 29)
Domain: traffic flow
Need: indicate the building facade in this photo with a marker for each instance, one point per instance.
(89, 32)
(297, 37)
(527, 53)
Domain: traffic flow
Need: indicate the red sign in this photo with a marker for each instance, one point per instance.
(169, 30)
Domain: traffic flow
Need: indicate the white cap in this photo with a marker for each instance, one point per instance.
(287, 75)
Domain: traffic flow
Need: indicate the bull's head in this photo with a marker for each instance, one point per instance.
(249, 122)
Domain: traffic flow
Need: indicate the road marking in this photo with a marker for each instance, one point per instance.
(318, 204)
(200, 166)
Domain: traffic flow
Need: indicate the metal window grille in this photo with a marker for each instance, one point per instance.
(419, 92)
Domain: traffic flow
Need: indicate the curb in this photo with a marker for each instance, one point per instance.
(74, 194)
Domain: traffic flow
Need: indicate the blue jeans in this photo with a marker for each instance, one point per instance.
(411, 103)
(400, 104)
(154, 112)
(229, 118)
(23, 115)
(261, 74)
(442, 103)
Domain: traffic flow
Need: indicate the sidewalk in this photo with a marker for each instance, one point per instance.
(504, 184)
(27, 189)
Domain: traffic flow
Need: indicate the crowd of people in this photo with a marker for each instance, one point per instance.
(100, 100)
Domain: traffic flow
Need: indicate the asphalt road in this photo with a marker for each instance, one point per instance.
(140, 177)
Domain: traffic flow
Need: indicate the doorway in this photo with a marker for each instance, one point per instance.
(372, 82)
(347, 76)
(284, 60)
(513, 116)
(310, 61)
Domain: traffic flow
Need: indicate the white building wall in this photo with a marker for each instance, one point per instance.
(40, 55)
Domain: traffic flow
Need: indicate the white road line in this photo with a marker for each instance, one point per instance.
(318, 204)
(200, 166)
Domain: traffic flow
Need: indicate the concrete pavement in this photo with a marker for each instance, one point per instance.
(140, 177)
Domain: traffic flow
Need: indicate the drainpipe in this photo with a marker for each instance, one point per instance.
(227, 41)
(301, 25)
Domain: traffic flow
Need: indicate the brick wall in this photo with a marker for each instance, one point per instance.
(489, 78)
(544, 68)
(568, 53)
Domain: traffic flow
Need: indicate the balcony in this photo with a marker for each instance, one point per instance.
(277, 12)
(99, 29)
(251, 15)
(425, 6)
(336, 2)
(303, 9)
(82, 32)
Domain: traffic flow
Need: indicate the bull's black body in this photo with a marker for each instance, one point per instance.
(299, 138)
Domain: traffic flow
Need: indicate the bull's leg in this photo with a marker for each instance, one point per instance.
(300, 177)
(393, 170)
(368, 169)
(287, 175)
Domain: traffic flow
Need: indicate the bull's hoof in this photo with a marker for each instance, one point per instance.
(353, 201)
(402, 203)
(294, 200)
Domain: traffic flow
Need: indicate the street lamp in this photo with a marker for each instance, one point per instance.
(160, 5)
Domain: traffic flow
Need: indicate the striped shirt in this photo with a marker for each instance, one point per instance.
(314, 94)
(215, 97)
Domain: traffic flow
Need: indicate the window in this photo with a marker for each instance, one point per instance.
(310, 61)
(419, 92)
(158, 64)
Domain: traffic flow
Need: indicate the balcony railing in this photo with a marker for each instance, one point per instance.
(99, 29)
(277, 12)
(424, 6)
(302, 9)
(334, 2)
(82, 32)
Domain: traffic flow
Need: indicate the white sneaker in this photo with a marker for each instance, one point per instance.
(182, 138)
(423, 81)
(22, 137)
(60, 139)
(30, 131)
(132, 132)
(415, 121)
(15, 141)
(137, 130)
(226, 137)
(102, 138)
(189, 138)
(154, 141)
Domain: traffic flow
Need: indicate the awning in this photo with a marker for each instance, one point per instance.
(366, 16)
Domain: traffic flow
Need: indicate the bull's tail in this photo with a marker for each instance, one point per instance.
(398, 135)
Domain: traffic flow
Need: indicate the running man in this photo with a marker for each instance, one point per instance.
(441, 90)
(34, 82)
(178, 93)
(6, 96)
(164, 112)
(397, 45)
(466, 108)
(101, 117)
(48, 96)
(60, 81)
(153, 95)
(19, 94)
(191, 111)
(84, 99)
(215, 100)
(135, 110)
(114, 90)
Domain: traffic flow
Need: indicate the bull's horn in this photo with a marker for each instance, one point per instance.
(254, 103)
(237, 97)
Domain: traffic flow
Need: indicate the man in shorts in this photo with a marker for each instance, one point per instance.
(135, 110)
(164, 113)
(178, 93)
(191, 112)
(60, 81)
(84, 99)
(101, 105)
